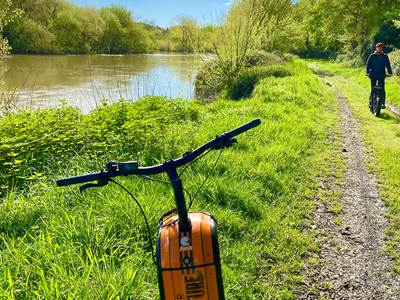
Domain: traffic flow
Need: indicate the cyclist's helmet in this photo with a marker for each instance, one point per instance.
(380, 45)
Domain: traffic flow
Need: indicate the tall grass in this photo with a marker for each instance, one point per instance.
(8, 99)
(57, 243)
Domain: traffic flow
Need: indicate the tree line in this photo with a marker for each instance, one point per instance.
(59, 27)
(340, 29)
(311, 28)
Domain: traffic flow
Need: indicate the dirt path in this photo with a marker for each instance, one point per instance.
(353, 265)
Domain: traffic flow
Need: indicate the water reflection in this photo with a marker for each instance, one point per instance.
(84, 81)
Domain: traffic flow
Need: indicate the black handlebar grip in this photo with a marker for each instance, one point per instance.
(243, 128)
(79, 179)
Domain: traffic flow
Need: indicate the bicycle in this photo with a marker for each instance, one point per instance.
(187, 252)
(376, 100)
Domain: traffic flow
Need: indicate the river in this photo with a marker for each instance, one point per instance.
(85, 80)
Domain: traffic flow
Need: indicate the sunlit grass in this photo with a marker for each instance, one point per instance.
(56, 243)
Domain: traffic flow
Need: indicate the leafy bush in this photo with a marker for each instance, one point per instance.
(210, 81)
(56, 27)
(263, 58)
(33, 141)
(395, 60)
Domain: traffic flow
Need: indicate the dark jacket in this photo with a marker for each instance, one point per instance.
(376, 65)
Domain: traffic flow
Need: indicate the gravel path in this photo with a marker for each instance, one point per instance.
(353, 264)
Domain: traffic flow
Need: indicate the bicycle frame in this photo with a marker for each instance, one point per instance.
(188, 260)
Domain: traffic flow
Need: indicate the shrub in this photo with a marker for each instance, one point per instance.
(395, 60)
(210, 81)
(275, 71)
(263, 58)
(32, 141)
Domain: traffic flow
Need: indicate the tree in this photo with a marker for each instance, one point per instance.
(8, 13)
(92, 27)
(121, 34)
(389, 34)
(27, 36)
(55, 26)
(251, 24)
(345, 26)
(68, 31)
(112, 35)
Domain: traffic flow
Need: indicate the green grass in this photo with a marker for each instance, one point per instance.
(382, 137)
(56, 243)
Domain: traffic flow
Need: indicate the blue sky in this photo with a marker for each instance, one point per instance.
(165, 12)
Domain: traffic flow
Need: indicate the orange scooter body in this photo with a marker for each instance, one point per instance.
(188, 262)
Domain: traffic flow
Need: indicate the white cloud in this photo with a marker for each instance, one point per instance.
(229, 3)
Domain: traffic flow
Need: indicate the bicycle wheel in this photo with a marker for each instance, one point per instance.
(373, 103)
(377, 106)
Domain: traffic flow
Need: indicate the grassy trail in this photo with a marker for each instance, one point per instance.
(381, 136)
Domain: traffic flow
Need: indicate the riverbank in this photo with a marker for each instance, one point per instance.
(58, 243)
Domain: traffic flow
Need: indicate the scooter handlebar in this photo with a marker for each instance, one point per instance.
(131, 168)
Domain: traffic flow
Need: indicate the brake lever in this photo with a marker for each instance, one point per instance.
(100, 183)
(231, 142)
(226, 143)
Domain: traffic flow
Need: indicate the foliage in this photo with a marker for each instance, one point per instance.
(243, 84)
(27, 36)
(181, 37)
(395, 61)
(56, 243)
(389, 34)
(31, 139)
(187, 36)
(8, 13)
(343, 26)
(249, 25)
(263, 58)
(346, 30)
(210, 80)
(49, 26)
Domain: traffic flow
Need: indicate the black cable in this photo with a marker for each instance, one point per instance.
(192, 162)
(191, 198)
(205, 180)
(155, 179)
(144, 215)
(169, 183)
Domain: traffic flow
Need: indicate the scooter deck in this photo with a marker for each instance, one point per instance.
(188, 262)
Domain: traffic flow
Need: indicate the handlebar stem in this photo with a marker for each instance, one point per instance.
(176, 181)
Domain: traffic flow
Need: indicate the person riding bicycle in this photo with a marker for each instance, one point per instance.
(377, 64)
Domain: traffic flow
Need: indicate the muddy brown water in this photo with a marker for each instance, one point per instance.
(85, 80)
